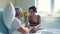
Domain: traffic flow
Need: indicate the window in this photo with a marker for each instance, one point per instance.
(43, 7)
(48, 7)
(57, 7)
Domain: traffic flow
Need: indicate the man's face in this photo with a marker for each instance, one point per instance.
(21, 14)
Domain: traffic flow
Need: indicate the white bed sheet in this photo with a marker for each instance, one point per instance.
(44, 31)
(48, 31)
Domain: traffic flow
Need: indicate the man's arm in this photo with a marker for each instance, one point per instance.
(23, 31)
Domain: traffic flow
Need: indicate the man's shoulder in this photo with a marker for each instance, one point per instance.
(16, 20)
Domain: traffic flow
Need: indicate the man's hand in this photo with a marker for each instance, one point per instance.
(22, 30)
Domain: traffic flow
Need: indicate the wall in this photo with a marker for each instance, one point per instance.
(4, 2)
(24, 4)
(13, 1)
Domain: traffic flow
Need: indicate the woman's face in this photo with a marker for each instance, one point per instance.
(31, 12)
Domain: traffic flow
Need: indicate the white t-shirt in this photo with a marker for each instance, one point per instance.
(15, 25)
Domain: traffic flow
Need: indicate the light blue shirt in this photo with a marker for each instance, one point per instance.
(15, 25)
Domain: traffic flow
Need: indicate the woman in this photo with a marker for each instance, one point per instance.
(33, 19)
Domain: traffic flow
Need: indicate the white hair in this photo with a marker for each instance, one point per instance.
(20, 9)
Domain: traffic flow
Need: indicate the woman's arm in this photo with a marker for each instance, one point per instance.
(39, 25)
(29, 27)
(26, 22)
(36, 27)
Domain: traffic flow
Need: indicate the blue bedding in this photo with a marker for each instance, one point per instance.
(3, 28)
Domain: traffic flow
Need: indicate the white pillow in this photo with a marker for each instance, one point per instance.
(8, 14)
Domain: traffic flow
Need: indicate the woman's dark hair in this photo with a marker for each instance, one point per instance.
(33, 8)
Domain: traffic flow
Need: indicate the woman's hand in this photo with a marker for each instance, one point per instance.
(33, 30)
(24, 33)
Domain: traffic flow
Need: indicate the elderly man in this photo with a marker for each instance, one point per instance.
(16, 25)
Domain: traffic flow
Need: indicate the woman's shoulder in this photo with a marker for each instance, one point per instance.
(38, 16)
